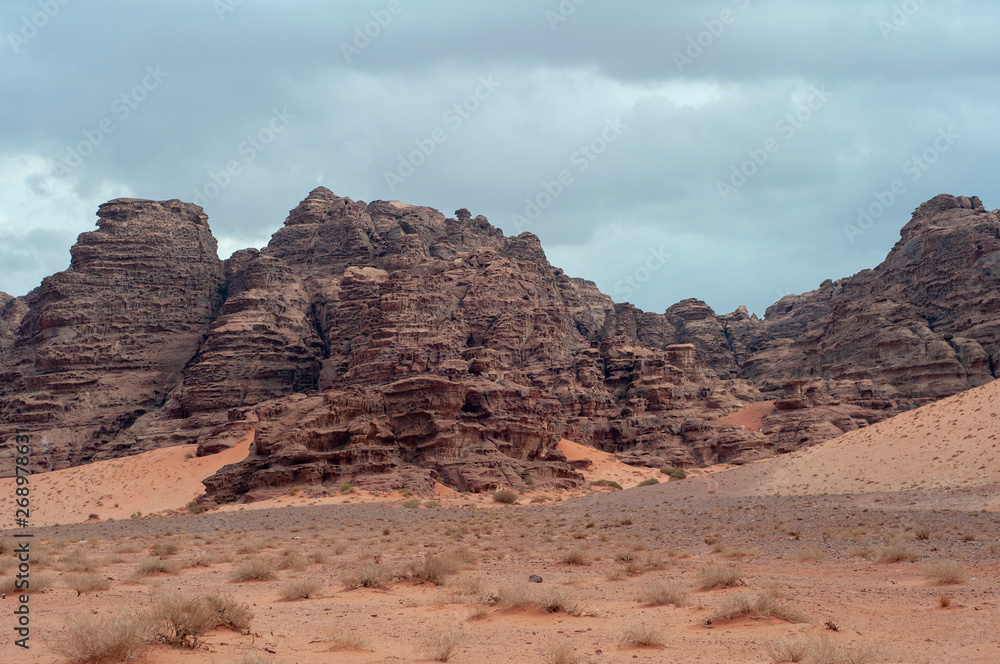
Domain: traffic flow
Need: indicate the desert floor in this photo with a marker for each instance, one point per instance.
(598, 556)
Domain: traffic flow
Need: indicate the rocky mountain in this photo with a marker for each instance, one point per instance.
(389, 346)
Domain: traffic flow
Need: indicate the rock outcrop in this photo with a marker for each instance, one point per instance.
(104, 343)
(388, 346)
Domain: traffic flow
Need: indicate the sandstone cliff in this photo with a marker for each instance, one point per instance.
(387, 345)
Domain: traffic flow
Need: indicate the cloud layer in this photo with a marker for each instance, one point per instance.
(721, 150)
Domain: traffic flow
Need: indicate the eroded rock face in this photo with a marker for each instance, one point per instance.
(103, 343)
(391, 347)
(12, 310)
(923, 324)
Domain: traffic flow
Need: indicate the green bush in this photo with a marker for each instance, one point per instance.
(610, 483)
(650, 482)
(505, 496)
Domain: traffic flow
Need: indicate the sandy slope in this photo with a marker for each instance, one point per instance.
(605, 466)
(954, 443)
(160, 480)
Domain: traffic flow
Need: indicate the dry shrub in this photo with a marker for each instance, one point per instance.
(922, 534)
(343, 640)
(86, 583)
(944, 600)
(435, 568)
(945, 572)
(525, 596)
(180, 619)
(478, 612)
(554, 600)
(822, 650)
(788, 650)
(371, 574)
(895, 551)
(505, 496)
(562, 653)
(442, 646)
(77, 561)
(300, 589)
(157, 566)
(659, 593)
(120, 636)
(249, 547)
(721, 576)
(576, 556)
(293, 560)
(756, 605)
(203, 559)
(164, 549)
(231, 614)
(517, 596)
(37, 583)
(255, 569)
(643, 635)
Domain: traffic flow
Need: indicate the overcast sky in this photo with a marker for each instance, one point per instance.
(665, 149)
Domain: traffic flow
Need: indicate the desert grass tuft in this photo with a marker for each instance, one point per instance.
(90, 638)
(344, 640)
(37, 583)
(562, 653)
(659, 593)
(86, 583)
(643, 635)
(721, 576)
(442, 646)
(894, 551)
(823, 650)
(154, 566)
(757, 605)
(164, 549)
(788, 650)
(945, 572)
(301, 589)
(255, 569)
(575, 556)
(230, 613)
(370, 574)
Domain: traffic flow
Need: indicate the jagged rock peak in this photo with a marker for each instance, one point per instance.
(142, 210)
